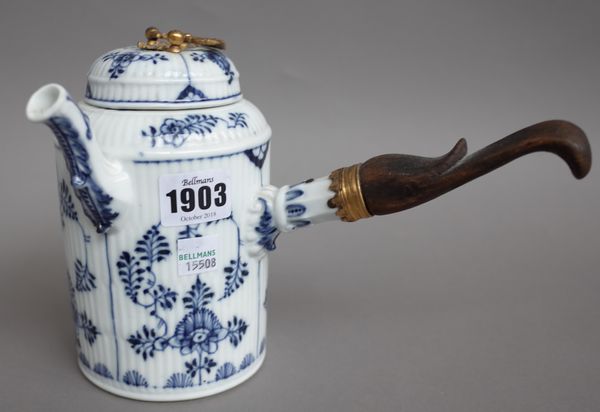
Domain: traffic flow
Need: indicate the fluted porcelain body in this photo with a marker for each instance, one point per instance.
(168, 214)
(143, 330)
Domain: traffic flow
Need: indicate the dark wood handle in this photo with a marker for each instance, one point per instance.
(393, 182)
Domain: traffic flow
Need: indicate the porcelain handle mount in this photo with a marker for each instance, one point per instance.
(393, 182)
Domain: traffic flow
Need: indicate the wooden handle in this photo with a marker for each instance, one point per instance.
(394, 182)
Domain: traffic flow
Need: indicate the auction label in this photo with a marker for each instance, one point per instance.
(197, 255)
(194, 197)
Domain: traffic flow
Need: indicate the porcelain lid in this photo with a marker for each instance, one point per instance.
(136, 78)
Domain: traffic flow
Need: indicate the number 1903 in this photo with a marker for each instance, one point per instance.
(188, 199)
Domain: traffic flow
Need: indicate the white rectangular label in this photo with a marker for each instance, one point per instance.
(194, 197)
(197, 255)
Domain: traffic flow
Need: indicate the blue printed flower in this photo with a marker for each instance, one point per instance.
(174, 131)
(121, 60)
(125, 59)
(199, 331)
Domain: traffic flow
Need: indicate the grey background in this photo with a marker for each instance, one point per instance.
(486, 299)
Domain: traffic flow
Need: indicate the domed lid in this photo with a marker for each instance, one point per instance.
(168, 71)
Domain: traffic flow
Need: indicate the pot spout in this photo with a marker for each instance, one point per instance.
(100, 184)
(393, 182)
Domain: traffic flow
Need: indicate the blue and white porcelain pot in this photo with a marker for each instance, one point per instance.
(168, 214)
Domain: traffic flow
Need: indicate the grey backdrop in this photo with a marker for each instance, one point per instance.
(486, 299)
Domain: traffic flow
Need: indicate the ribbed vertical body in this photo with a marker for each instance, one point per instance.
(143, 330)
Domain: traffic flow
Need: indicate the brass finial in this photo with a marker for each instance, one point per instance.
(175, 41)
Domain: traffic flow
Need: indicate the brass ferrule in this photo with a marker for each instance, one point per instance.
(348, 198)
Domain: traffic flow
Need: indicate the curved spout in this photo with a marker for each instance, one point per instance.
(391, 183)
(91, 173)
(394, 182)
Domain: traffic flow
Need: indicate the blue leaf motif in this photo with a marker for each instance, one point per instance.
(131, 274)
(236, 119)
(102, 370)
(247, 361)
(174, 132)
(198, 296)
(75, 153)
(217, 58)
(237, 329)
(67, 207)
(82, 322)
(84, 279)
(266, 228)
(90, 331)
(121, 60)
(194, 367)
(236, 273)
(146, 341)
(163, 296)
(225, 371)
(153, 247)
(134, 378)
(179, 380)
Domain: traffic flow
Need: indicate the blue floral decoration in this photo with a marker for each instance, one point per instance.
(198, 334)
(258, 155)
(179, 380)
(191, 93)
(236, 273)
(134, 378)
(237, 270)
(102, 370)
(199, 331)
(94, 201)
(174, 132)
(122, 60)
(218, 58)
(67, 207)
(247, 361)
(190, 231)
(225, 371)
(266, 229)
(83, 324)
(90, 331)
(85, 281)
